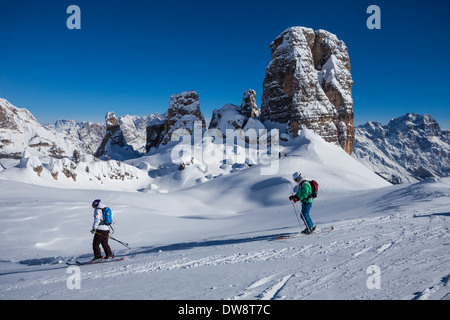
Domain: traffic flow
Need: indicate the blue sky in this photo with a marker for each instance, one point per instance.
(131, 56)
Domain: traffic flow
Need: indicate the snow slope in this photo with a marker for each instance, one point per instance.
(308, 153)
(403, 230)
(216, 238)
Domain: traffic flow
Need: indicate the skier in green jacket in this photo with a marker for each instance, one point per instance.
(302, 192)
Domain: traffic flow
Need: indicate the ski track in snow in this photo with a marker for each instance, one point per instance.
(273, 291)
(329, 265)
(429, 292)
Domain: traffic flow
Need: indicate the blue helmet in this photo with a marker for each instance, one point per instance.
(95, 203)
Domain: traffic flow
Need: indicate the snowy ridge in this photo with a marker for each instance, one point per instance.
(308, 153)
(84, 135)
(19, 130)
(408, 149)
(134, 129)
(89, 174)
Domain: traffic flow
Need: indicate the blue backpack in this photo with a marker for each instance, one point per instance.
(107, 216)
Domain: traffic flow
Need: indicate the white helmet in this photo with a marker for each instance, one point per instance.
(297, 177)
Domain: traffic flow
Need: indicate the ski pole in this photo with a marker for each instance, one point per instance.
(122, 243)
(112, 238)
(295, 212)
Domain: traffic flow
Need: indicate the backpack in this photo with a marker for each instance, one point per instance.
(107, 216)
(314, 189)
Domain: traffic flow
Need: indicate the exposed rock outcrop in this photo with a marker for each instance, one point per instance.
(85, 136)
(183, 111)
(155, 134)
(308, 82)
(249, 108)
(30, 162)
(227, 117)
(134, 129)
(235, 117)
(114, 145)
(67, 167)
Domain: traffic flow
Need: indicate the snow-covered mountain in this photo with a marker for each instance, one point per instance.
(114, 144)
(183, 112)
(134, 129)
(19, 130)
(85, 135)
(90, 135)
(44, 155)
(409, 148)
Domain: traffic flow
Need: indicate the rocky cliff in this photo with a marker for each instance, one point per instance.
(409, 148)
(114, 145)
(308, 82)
(85, 136)
(249, 108)
(183, 111)
(134, 129)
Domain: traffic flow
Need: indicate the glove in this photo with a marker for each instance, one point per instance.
(93, 231)
(293, 198)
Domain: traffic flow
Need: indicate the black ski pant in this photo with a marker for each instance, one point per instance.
(101, 237)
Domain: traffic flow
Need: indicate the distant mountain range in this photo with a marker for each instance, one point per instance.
(409, 148)
(19, 129)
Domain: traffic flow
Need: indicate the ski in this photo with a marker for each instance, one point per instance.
(298, 235)
(82, 263)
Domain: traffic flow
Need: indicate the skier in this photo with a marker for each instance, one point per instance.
(302, 192)
(101, 233)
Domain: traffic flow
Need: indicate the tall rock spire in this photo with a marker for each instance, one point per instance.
(114, 145)
(308, 82)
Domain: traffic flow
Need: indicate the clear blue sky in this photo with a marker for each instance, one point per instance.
(131, 56)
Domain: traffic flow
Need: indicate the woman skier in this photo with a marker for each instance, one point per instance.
(101, 233)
